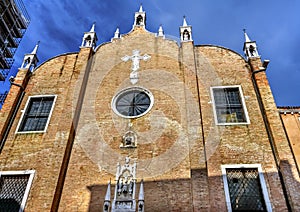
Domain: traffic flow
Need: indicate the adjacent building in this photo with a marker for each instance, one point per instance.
(14, 21)
(290, 117)
(144, 123)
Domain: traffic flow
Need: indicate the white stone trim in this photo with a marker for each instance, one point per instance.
(261, 179)
(29, 183)
(243, 104)
(113, 102)
(25, 108)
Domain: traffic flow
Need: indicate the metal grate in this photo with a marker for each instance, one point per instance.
(12, 189)
(245, 190)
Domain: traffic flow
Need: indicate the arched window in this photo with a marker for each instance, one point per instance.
(186, 35)
(139, 20)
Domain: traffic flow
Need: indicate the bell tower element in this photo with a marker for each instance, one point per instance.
(185, 32)
(30, 60)
(90, 38)
(250, 48)
(140, 18)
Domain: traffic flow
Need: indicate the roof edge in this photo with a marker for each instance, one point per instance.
(63, 54)
(222, 47)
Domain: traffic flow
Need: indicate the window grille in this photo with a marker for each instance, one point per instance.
(12, 190)
(229, 105)
(37, 114)
(245, 189)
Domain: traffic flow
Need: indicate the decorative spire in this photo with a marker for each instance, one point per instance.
(141, 200)
(140, 17)
(185, 31)
(93, 27)
(247, 39)
(250, 48)
(90, 38)
(117, 33)
(160, 31)
(141, 9)
(184, 22)
(141, 194)
(30, 60)
(34, 51)
(107, 196)
(106, 204)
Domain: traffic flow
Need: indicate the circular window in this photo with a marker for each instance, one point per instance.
(132, 102)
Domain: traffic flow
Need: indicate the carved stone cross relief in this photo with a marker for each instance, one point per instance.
(135, 58)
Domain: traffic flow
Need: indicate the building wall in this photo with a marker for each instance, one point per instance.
(180, 148)
(236, 144)
(291, 121)
(163, 154)
(43, 152)
(163, 134)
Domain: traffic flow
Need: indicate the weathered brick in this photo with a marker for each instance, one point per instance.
(180, 149)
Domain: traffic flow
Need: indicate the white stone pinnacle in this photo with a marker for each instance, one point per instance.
(160, 31)
(107, 196)
(141, 9)
(184, 21)
(93, 28)
(34, 51)
(247, 39)
(117, 33)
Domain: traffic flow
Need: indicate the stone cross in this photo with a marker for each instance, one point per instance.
(135, 58)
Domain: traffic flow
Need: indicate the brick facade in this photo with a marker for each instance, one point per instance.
(180, 148)
(290, 117)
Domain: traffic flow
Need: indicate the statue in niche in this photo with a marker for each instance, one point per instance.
(126, 180)
(125, 187)
(129, 140)
(124, 197)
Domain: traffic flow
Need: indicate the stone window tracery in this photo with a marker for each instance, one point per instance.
(132, 102)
